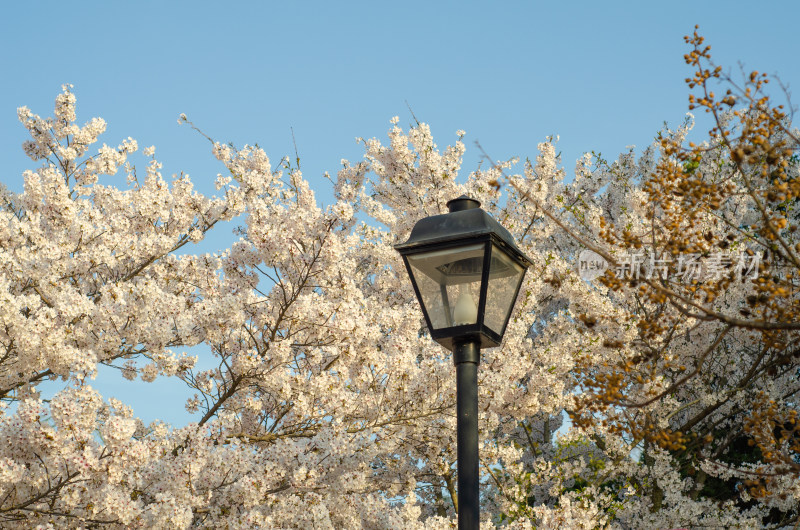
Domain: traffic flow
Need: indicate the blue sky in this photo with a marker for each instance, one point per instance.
(601, 75)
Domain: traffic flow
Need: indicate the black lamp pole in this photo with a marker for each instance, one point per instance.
(466, 358)
(466, 271)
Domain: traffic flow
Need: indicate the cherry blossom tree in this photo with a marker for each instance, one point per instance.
(700, 368)
(328, 405)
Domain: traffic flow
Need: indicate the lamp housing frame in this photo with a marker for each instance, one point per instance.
(466, 225)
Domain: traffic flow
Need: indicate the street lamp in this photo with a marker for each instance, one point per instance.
(466, 271)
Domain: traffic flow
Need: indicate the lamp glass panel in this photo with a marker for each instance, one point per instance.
(505, 275)
(449, 282)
